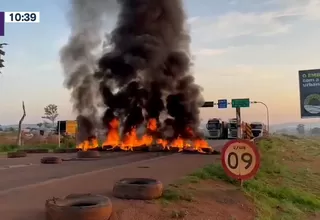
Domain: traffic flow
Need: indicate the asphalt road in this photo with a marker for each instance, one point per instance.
(19, 172)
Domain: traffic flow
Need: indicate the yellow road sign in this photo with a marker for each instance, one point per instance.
(71, 127)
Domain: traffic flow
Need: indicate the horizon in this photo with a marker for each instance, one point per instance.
(252, 49)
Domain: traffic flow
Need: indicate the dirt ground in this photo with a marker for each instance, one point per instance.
(205, 201)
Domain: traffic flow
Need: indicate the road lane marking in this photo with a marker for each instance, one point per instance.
(34, 185)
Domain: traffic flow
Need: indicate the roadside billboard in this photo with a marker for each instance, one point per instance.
(309, 83)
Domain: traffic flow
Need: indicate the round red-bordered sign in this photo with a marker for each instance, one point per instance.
(240, 159)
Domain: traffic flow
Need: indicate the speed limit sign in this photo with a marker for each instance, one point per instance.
(240, 159)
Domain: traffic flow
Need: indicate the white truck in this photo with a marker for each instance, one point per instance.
(216, 128)
(257, 129)
(232, 128)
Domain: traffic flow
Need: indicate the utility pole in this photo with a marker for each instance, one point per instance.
(267, 109)
(2, 53)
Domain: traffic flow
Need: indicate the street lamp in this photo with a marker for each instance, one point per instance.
(268, 121)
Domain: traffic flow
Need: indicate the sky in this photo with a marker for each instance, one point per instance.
(242, 49)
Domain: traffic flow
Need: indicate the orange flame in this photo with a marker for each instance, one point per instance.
(88, 144)
(113, 137)
(131, 140)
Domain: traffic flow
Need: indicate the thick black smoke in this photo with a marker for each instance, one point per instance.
(79, 61)
(147, 69)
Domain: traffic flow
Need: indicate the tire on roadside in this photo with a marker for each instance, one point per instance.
(36, 151)
(80, 207)
(142, 148)
(17, 154)
(138, 188)
(59, 150)
(51, 160)
(88, 154)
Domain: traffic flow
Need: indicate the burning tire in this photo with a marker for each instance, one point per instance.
(138, 188)
(156, 148)
(51, 160)
(174, 149)
(190, 151)
(142, 148)
(96, 149)
(80, 207)
(17, 154)
(88, 154)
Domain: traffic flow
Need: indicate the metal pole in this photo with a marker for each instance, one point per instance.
(59, 134)
(238, 116)
(268, 119)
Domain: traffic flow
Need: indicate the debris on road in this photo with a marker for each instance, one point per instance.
(17, 154)
(51, 160)
(79, 207)
(138, 188)
(88, 154)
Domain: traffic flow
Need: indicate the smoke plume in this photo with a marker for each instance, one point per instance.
(146, 71)
(79, 61)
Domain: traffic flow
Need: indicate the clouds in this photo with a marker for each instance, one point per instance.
(209, 52)
(258, 23)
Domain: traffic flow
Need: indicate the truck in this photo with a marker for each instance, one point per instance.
(257, 129)
(216, 128)
(232, 128)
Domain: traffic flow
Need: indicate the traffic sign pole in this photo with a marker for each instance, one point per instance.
(238, 116)
(59, 135)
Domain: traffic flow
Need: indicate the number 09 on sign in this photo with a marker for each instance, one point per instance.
(240, 159)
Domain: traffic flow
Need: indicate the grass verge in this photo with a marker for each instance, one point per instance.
(287, 186)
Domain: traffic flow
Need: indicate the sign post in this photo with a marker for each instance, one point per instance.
(240, 159)
(309, 83)
(59, 137)
(238, 117)
(238, 104)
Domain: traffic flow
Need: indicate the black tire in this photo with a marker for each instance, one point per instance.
(156, 148)
(174, 149)
(138, 188)
(142, 148)
(59, 150)
(95, 149)
(88, 154)
(17, 154)
(207, 150)
(190, 151)
(65, 150)
(72, 150)
(81, 207)
(36, 151)
(51, 160)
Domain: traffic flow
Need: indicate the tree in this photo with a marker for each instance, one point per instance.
(300, 129)
(46, 124)
(51, 113)
(40, 124)
(20, 124)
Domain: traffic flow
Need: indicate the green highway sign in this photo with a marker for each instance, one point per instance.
(240, 103)
(207, 104)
